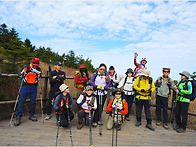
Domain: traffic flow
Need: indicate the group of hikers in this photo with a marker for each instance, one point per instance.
(107, 88)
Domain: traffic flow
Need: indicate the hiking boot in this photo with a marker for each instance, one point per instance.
(94, 124)
(138, 123)
(127, 119)
(18, 121)
(119, 127)
(176, 127)
(181, 130)
(48, 117)
(158, 123)
(79, 126)
(165, 126)
(149, 126)
(33, 118)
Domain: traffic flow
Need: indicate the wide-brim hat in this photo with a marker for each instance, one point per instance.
(129, 70)
(146, 73)
(186, 74)
(118, 90)
(63, 87)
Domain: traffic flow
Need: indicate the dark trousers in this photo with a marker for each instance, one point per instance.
(129, 100)
(64, 118)
(98, 111)
(51, 96)
(82, 114)
(146, 103)
(182, 111)
(162, 101)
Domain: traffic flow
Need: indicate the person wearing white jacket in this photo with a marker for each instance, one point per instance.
(127, 83)
(86, 102)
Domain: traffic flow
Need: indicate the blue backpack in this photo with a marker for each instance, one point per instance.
(191, 96)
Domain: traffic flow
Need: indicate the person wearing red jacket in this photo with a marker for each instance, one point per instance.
(118, 109)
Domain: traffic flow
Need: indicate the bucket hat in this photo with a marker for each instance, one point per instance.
(185, 73)
(118, 90)
(129, 70)
(63, 87)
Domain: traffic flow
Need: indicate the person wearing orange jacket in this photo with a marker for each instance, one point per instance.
(118, 109)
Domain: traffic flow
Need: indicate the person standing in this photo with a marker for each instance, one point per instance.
(31, 74)
(86, 102)
(127, 84)
(56, 79)
(63, 105)
(164, 84)
(139, 66)
(100, 82)
(183, 89)
(144, 86)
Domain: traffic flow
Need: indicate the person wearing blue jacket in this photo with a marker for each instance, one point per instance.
(183, 88)
(63, 105)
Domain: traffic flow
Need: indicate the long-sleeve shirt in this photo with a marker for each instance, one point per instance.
(124, 106)
(138, 69)
(80, 81)
(55, 83)
(128, 85)
(85, 104)
(144, 84)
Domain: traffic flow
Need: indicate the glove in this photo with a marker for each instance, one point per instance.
(142, 90)
(100, 87)
(135, 55)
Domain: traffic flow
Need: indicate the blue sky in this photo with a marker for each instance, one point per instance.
(111, 31)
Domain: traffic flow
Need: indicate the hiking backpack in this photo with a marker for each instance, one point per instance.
(191, 96)
(75, 75)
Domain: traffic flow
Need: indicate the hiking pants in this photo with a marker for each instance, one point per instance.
(82, 114)
(182, 111)
(129, 100)
(51, 96)
(64, 118)
(161, 101)
(146, 103)
(110, 121)
(98, 112)
(25, 91)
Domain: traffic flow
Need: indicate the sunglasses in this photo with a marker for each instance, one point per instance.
(118, 93)
(166, 71)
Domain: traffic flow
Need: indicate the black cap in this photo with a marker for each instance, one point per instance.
(58, 63)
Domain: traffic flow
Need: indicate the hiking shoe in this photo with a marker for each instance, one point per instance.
(33, 118)
(165, 126)
(176, 127)
(94, 124)
(149, 126)
(119, 127)
(79, 126)
(99, 123)
(181, 130)
(138, 123)
(127, 119)
(18, 121)
(158, 123)
(48, 117)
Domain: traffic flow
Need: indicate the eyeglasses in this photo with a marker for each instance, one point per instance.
(166, 71)
(102, 69)
(118, 93)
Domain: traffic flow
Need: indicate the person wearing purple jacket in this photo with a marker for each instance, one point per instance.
(100, 82)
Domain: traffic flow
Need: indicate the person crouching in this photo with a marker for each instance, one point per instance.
(63, 104)
(86, 102)
(118, 109)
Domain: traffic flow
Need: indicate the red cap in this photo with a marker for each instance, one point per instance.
(35, 61)
(82, 66)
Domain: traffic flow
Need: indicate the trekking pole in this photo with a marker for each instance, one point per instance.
(40, 85)
(59, 120)
(173, 107)
(117, 127)
(100, 108)
(90, 131)
(70, 134)
(22, 81)
(113, 112)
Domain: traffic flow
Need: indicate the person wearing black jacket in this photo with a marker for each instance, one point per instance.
(56, 79)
